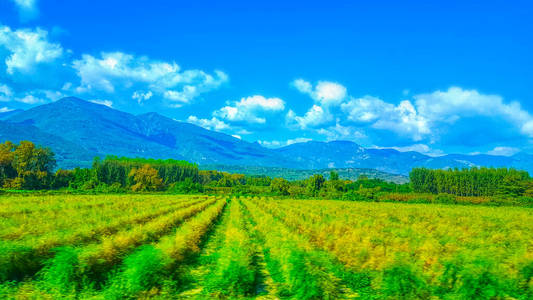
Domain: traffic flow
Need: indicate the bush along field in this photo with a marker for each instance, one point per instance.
(214, 247)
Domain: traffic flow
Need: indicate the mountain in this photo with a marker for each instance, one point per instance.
(101, 130)
(78, 130)
(8, 114)
(343, 154)
(316, 155)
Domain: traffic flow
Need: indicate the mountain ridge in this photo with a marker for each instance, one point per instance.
(78, 130)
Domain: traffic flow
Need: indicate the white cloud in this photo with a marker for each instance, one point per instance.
(6, 93)
(5, 109)
(114, 70)
(297, 140)
(52, 95)
(339, 132)
(270, 144)
(404, 120)
(277, 144)
(366, 109)
(211, 124)
(325, 92)
(250, 109)
(27, 9)
(315, 116)
(141, 96)
(430, 111)
(420, 148)
(456, 102)
(504, 151)
(237, 136)
(107, 103)
(32, 96)
(244, 132)
(303, 86)
(30, 99)
(27, 48)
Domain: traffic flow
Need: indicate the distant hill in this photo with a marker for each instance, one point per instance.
(295, 174)
(343, 154)
(78, 130)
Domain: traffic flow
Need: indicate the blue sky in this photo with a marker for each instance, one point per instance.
(435, 77)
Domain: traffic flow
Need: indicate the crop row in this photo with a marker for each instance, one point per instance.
(19, 261)
(23, 226)
(151, 265)
(234, 274)
(439, 252)
(297, 269)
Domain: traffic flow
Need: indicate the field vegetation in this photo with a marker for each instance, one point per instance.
(198, 247)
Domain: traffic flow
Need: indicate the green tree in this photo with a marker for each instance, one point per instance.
(6, 162)
(33, 165)
(315, 184)
(333, 175)
(280, 186)
(62, 178)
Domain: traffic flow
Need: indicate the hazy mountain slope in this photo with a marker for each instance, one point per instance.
(343, 154)
(318, 155)
(206, 146)
(69, 155)
(295, 174)
(9, 114)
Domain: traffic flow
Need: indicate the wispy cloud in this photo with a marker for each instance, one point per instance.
(28, 9)
(504, 151)
(107, 103)
(277, 144)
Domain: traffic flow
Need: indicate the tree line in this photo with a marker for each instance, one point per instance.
(472, 182)
(29, 167)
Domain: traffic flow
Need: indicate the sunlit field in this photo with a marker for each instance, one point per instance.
(201, 247)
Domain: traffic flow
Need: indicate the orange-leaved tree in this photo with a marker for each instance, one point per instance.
(145, 178)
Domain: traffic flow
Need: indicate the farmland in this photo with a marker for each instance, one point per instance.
(197, 247)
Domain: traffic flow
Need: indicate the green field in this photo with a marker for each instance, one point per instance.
(204, 247)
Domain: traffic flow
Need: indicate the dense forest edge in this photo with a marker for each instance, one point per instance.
(26, 168)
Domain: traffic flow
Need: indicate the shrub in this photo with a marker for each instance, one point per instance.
(17, 261)
(400, 281)
(445, 199)
(141, 271)
(471, 279)
(61, 272)
(355, 196)
(188, 186)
